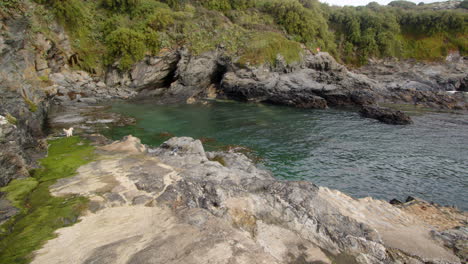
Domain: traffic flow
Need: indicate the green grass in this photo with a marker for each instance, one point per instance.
(264, 47)
(11, 119)
(219, 159)
(41, 214)
(31, 105)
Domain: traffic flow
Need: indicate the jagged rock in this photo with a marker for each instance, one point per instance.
(385, 115)
(323, 61)
(154, 72)
(424, 84)
(20, 97)
(41, 63)
(150, 73)
(323, 82)
(175, 205)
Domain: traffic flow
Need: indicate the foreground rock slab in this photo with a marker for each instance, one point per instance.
(180, 204)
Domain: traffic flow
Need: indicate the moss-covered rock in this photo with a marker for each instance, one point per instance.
(40, 213)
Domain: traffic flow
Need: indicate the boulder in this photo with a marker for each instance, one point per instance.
(128, 144)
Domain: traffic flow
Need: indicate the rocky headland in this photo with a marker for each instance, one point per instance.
(179, 204)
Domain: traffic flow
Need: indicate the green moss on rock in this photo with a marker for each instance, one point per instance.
(40, 213)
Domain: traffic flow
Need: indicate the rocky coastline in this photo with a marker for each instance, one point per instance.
(177, 203)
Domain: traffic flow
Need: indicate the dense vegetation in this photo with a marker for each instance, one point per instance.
(105, 32)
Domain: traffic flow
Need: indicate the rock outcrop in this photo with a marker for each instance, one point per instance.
(151, 73)
(386, 115)
(180, 204)
(318, 83)
(69, 87)
(436, 85)
(173, 76)
(23, 102)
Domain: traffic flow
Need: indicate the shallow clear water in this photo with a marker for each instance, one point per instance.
(333, 148)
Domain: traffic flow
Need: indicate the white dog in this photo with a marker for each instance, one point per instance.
(68, 132)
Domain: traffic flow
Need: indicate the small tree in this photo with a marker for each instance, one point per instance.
(125, 45)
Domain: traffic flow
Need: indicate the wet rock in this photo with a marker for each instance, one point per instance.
(395, 201)
(386, 115)
(85, 118)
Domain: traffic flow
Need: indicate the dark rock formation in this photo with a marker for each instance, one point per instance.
(433, 85)
(319, 82)
(150, 73)
(23, 104)
(385, 115)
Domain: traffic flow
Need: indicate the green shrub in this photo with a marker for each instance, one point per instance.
(72, 13)
(264, 48)
(160, 19)
(31, 105)
(402, 4)
(219, 5)
(126, 46)
(11, 119)
(9, 4)
(145, 8)
(120, 5)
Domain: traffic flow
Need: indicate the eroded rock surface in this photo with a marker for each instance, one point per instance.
(318, 83)
(173, 204)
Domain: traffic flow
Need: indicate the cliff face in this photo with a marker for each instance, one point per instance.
(23, 97)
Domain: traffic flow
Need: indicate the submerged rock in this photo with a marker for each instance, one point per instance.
(175, 205)
(386, 115)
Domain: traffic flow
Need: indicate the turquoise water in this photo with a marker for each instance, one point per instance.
(332, 148)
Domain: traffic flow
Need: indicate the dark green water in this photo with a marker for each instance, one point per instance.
(333, 148)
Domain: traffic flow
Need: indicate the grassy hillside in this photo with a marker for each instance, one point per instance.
(105, 32)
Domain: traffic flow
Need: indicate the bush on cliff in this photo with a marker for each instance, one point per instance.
(265, 47)
(351, 34)
(128, 46)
